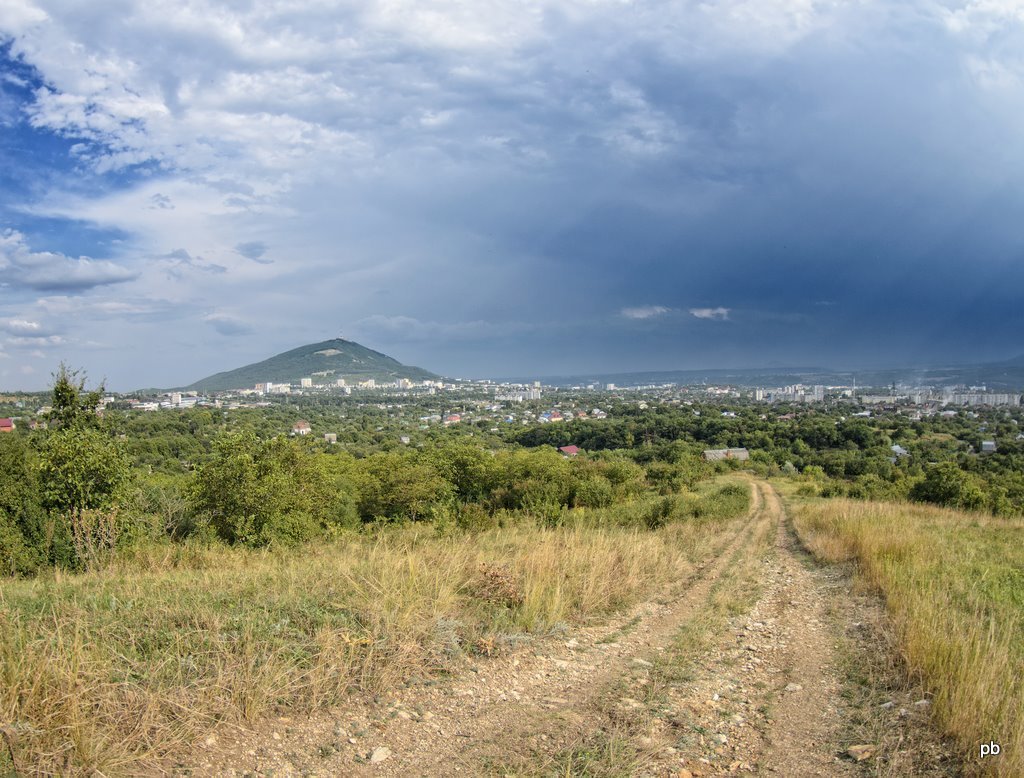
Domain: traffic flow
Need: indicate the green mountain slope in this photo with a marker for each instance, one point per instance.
(323, 362)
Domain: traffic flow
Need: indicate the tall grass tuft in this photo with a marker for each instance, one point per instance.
(954, 585)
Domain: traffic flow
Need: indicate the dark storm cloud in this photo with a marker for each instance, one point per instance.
(573, 186)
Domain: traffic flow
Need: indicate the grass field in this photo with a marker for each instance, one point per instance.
(121, 667)
(953, 584)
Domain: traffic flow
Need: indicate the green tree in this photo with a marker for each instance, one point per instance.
(594, 492)
(70, 404)
(946, 484)
(531, 479)
(83, 471)
(399, 486)
(259, 492)
(23, 536)
(469, 469)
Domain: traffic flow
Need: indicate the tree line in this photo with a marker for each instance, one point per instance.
(81, 487)
(92, 481)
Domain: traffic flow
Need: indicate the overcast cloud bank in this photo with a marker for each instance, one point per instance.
(506, 188)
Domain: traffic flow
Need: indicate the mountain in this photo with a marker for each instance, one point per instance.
(323, 362)
(773, 376)
(1017, 361)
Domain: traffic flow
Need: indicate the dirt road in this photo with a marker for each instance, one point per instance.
(736, 671)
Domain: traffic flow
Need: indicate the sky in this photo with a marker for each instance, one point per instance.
(498, 187)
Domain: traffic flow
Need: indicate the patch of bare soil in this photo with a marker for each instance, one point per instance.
(767, 696)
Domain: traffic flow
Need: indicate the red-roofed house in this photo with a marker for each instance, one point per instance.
(569, 451)
(301, 428)
(6, 425)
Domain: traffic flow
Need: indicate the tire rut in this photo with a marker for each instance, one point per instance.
(768, 696)
(805, 732)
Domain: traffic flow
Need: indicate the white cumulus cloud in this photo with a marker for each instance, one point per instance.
(645, 311)
(716, 314)
(22, 327)
(52, 271)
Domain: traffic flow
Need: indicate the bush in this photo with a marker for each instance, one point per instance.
(16, 556)
(659, 513)
(628, 479)
(288, 529)
(442, 517)
(594, 492)
(496, 584)
(725, 502)
(547, 513)
(23, 538)
(472, 517)
(946, 484)
(833, 489)
(469, 469)
(84, 475)
(526, 479)
(167, 500)
(398, 486)
(258, 492)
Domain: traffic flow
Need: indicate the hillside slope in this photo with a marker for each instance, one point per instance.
(324, 362)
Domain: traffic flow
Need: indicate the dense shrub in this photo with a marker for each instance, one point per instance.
(23, 520)
(260, 492)
(595, 491)
(659, 513)
(947, 484)
(724, 502)
(61, 492)
(397, 485)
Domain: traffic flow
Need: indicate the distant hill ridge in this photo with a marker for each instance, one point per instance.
(324, 362)
(1005, 376)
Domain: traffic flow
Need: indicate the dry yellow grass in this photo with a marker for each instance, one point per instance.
(114, 670)
(954, 586)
